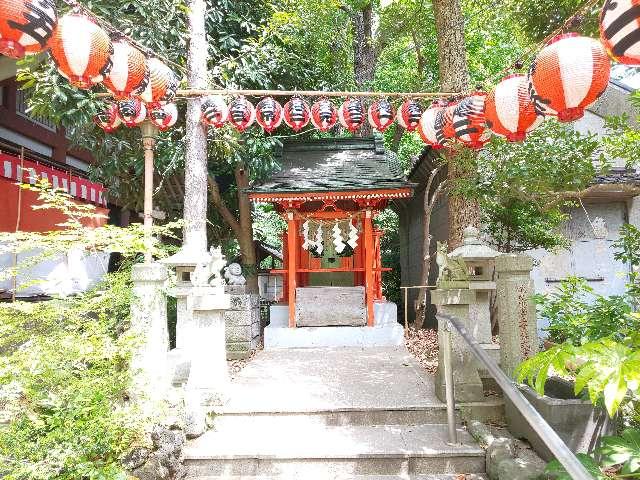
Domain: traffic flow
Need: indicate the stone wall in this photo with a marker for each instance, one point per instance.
(243, 330)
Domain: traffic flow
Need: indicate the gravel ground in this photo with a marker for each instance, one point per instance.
(423, 345)
(235, 366)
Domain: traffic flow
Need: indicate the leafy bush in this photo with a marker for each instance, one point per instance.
(63, 386)
(577, 315)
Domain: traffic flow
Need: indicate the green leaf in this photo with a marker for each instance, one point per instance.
(623, 450)
(558, 472)
(614, 392)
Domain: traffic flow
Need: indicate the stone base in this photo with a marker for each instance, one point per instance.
(242, 326)
(314, 337)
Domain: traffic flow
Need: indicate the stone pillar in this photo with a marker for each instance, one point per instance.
(468, 386)
(208, 374)
(149, 327)
(516, 310)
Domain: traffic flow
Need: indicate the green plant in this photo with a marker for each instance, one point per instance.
(64, 381)
(577, 315)
(523, 189)
(628, 251)
(623, 450)
(609, 370)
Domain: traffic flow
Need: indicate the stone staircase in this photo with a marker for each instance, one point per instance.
(301, 418)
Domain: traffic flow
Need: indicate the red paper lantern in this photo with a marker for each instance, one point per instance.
(163, 83)
(26, 26)
(214, 111)
(509, 110)
(129, 74)
(409, 115)
(620, 30)
(381, 114)
(241, 114)
(132, 112)
(296, 114)
(108, 119)
(323, 115)
(351, 114)
(164, 116)
(81, 50)
(469, 121)
(427, 127)
(568, 75)
(269, 114)
(444, 123)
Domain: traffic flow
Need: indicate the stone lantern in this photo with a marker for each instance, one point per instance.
(184, 262)
(480, 260)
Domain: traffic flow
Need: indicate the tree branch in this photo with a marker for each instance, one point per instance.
(221, 206)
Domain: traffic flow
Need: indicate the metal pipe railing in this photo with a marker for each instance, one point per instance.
(551, 439)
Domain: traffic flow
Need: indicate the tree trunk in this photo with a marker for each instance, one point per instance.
(430, 200)
(245, 238)
(243, 227)
(364, 55)
(195, 173)
(454, 77)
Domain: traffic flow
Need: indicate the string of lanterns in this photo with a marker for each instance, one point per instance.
(566, 76)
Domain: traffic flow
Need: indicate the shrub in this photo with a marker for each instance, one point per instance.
(63, 384)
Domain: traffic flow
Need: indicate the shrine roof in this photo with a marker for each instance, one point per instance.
(334, 165)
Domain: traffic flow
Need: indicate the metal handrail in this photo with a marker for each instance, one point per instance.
(551, 439)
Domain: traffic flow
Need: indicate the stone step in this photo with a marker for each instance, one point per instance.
(491, 410)
(330, 452)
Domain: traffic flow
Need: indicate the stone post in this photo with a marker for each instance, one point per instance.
(516, 310)
(207, 348)
(468, 386)
(149, 327)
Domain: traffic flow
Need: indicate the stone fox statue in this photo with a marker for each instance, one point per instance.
(449, 268)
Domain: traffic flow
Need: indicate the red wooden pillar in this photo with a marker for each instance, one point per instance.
(368, 265)
(292, 266)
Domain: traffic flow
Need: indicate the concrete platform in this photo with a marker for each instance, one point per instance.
(333, 379)
(329, 337)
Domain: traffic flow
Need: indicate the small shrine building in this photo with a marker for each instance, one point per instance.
(329, 192)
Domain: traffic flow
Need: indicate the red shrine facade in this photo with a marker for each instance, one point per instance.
(329, 193)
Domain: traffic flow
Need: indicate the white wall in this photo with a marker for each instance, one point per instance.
(68, 274)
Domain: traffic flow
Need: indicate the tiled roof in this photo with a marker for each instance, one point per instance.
(618, 177)
(336, 164)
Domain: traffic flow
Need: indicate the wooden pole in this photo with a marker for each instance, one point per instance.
(14, 257)
(203, 92)
(368, 265)
(149, 133)
(292, 252)
(406, 311)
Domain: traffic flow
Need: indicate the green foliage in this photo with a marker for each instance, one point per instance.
(623, 450)
(558, 472)
(601, 344)
(63, 385)
(522, 188)
(388, 222)
(540, 18)
(628, 251)
(577, 315)
(608, 369)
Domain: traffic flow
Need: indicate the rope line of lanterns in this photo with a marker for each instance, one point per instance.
(566, 76)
